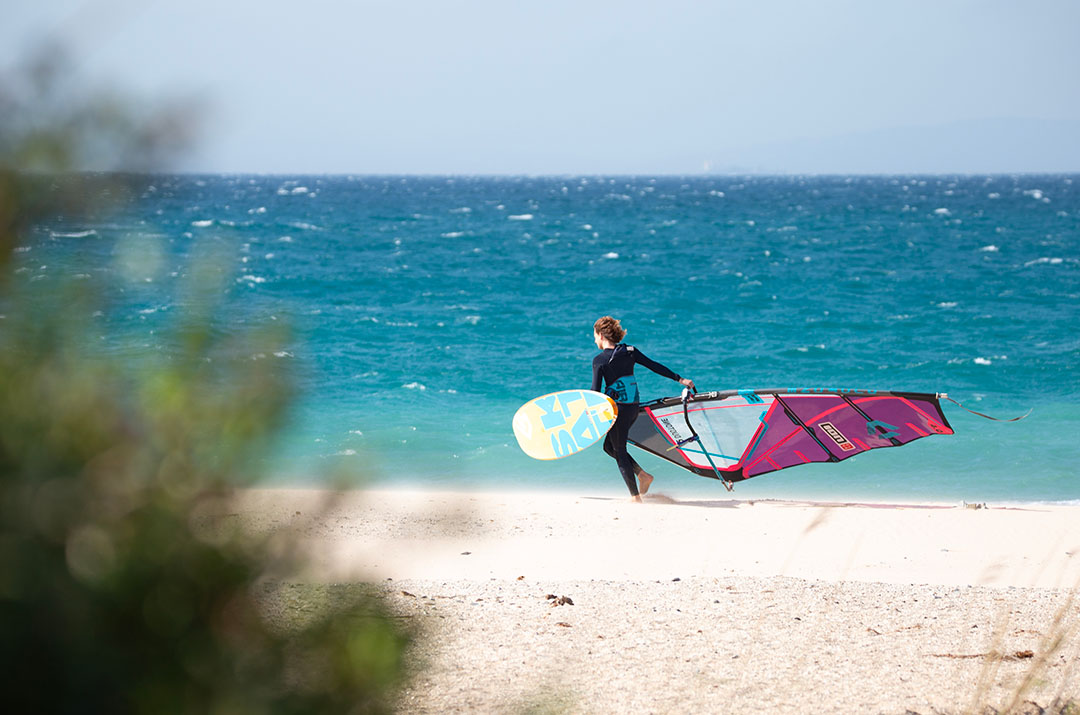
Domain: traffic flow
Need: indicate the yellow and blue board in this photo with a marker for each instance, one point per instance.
(562, 423)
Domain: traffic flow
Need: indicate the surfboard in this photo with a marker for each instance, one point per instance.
(559, 424)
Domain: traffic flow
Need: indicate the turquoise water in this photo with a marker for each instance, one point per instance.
(427, 309)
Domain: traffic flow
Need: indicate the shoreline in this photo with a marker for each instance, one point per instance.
(378, 534)
(682, 489)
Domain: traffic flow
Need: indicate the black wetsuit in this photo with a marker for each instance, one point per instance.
(614, 369)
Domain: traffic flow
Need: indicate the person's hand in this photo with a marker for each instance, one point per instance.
(687, 382)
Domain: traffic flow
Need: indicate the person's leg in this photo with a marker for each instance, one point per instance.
(644, 480)
(638, 470)
(615, 446)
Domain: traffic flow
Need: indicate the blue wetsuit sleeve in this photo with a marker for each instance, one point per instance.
(656, 367)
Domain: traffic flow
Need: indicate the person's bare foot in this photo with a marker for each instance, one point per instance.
(636, 499)
(644, 482)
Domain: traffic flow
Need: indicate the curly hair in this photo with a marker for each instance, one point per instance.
(610, 329)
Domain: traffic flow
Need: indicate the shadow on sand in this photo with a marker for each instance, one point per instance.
(657, 498)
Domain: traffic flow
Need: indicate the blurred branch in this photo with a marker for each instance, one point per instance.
(52, 126)
(115, 596)
(54, 123)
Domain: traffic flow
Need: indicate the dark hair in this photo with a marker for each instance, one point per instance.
(609, 328)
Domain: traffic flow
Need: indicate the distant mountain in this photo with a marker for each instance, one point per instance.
(968, 147)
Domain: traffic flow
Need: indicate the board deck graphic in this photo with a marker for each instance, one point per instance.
(563, 423)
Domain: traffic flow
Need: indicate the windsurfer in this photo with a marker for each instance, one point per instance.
(613, 369)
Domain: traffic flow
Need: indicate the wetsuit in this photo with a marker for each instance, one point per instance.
(614, 369)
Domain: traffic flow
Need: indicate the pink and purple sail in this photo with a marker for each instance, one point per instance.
(740, 434)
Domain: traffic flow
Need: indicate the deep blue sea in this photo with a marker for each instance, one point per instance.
(425, 310)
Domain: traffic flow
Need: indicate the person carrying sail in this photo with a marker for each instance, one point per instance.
(613, 369)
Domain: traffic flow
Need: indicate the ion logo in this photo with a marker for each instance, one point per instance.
(830, 429)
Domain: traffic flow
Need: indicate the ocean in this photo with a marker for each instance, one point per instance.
(425, 310)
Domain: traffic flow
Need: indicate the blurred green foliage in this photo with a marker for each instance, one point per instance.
(119, 591)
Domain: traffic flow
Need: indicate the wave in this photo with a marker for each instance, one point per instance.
(73, 234)
(304, 226)
(1046, 261)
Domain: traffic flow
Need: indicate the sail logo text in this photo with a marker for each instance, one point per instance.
(673, 431)
(843, 442)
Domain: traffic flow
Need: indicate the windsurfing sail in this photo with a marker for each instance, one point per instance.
(738, 434)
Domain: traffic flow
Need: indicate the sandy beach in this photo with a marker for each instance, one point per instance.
(588, 603)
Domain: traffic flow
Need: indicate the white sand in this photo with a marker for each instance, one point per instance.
(707, 605)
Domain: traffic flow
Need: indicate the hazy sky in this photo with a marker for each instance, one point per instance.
(590, 86)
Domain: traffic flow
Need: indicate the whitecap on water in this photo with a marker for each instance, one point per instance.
(520, 217)
(1048, 261)
(611, 255)
(415, 386)
(251, 279)
(990, 249)
(205, 223)
(943, 212)
(73, 234)
(452, 234)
